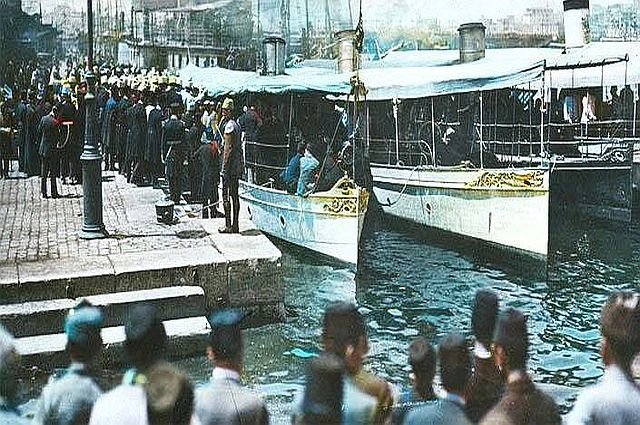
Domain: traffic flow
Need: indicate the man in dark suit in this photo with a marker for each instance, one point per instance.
(455, 368)
(173, 141)
(48, 134)
(224, 400)
(522, 402)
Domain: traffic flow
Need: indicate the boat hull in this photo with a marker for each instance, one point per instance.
(327, 222)
(504, 210)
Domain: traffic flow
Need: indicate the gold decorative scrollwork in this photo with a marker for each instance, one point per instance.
(508, 179)
(340, 206)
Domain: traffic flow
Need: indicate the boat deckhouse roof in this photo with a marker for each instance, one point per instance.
(416, 74)
(598, 64)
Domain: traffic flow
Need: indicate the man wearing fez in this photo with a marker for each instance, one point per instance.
(487, 383)
(367, 398)
(144, 347)
(455, 369)
(422, 359)
(9, 362)
(232, 168)
(522, 403)
(615, 400)
(224, 400)
(68, 399)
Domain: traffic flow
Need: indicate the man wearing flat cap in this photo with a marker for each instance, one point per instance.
(9, 361)
(522, 403)
(224, 400)
(232, 167)
(68, 399)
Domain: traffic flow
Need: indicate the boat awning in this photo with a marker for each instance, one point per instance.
(412, 83)
(595, 65)
(222, 82)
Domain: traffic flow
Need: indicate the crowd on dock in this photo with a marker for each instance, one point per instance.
(484, 382)
(151, 127)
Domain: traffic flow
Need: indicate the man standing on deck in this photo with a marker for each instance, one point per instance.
(232, 168)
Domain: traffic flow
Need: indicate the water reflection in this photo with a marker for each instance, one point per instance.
(412, 284)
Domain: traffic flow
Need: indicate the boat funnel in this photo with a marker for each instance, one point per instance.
(348, 58)
(576, 23)
(471, 41)
(274, 49)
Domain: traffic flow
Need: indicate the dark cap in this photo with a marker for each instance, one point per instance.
(83, 323)
(142, 321)
(146, 338)
(511, 331)
(226, 336)
(484, 315)
(226, 317)
(323, 390)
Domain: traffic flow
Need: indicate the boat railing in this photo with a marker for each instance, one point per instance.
(512, 143)
(410, 152)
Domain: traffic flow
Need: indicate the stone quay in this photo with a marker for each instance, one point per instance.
(186, 268)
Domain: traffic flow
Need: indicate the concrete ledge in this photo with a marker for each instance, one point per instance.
(187, 337)
(36, 317)
(47, 317)
(172, 302)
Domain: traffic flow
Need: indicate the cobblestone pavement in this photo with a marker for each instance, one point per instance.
(35, 229)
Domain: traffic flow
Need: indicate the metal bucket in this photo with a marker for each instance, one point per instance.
(471, 41)
(274, 50)
(348, 59)
(164, 212)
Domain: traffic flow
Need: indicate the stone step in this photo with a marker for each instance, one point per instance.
(187, 337)
(47, 317)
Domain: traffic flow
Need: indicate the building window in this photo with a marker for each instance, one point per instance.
(179, 61)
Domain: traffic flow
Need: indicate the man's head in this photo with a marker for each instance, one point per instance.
(301, 148)
(511, 341)
(422, 358)
(227, 107)
(170, 396)
(484, 316)
(620, 328)
(344, 334)
(146, 338)
(455, 363)
(82, 327)
(225, 345)
(9, 361)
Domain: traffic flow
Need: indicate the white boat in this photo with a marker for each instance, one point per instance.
(326, 222)
(506, 207)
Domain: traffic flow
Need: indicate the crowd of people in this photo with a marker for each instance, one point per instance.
(484, 382)
(150, 127)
